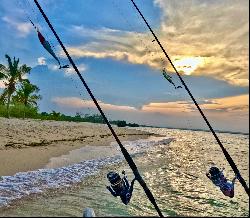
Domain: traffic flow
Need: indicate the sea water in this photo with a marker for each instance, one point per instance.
(173, 166)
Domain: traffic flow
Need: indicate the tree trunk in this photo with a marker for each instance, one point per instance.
(25, 106)
(24, 112)
(8, 106)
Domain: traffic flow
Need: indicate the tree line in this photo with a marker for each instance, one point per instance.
(19, 92)
(20, 97)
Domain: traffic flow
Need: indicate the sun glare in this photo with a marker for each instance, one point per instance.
(189, 64)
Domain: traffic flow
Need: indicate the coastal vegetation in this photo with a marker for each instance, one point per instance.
(19, 98)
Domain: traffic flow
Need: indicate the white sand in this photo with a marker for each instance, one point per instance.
(30, 144)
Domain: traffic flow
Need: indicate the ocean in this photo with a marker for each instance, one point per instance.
(173, 166)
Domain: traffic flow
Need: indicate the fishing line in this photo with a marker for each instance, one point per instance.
(150, 51)
(138, 36)
(47, 38)
(226, 154)
(163, 62)
(123, 149)
(78, 89)
(26, 5)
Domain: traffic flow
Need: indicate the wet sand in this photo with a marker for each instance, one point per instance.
(30, 144)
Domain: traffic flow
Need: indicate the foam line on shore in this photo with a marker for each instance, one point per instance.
(23, 184)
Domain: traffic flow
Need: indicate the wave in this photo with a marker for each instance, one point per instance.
(23, 184)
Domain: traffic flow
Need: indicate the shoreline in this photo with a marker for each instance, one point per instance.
(27, 145)
(170, 170)
(68, 170)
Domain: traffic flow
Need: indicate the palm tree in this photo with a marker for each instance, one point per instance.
(55, 115)
(2, 77)
(12, 74)
(26, 94)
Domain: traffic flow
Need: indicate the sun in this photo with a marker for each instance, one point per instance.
(188, 64)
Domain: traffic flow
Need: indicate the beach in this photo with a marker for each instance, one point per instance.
(64, 181)
(30, 144)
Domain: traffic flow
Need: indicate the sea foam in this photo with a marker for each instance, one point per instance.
(23, 184)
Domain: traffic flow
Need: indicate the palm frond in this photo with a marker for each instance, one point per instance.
(2, 76)
(9, 62)
(3, 71)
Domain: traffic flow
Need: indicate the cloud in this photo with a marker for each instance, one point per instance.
(237, 105)
(102, 33)
(233, 104)
(41, 61)
(228, 104)
(168, 107)
(116, 44)
(77, 103)
(220, 108)
(53, 67)
(70, 71)
(208, 38)
(229, 113)
(218, 31)
(23, 28)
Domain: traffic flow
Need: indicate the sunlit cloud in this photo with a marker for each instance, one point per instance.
(237, 104)
(218, 31)
(188, 65)
(208, 38)
(229, 104)
(168, 107)
(227, 113)
(77, 103)
(115, 44)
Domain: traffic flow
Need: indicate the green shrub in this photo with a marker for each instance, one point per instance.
(19, 111)
(121, 123)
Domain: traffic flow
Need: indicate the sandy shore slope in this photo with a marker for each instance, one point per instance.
(30, 144)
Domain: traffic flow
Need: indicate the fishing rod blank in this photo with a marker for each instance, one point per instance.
(226, 154)
(123, 149)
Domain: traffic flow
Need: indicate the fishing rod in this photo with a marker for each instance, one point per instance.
(125, 153)
(226, 154)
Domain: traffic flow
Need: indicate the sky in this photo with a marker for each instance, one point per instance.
(207, 41)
